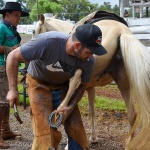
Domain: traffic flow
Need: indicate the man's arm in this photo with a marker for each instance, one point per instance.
(2, 48)
(66, 111)
(13, 59)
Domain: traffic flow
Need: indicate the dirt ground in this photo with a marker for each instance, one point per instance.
(111, 126)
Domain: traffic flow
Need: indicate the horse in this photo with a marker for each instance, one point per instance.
(127, 63)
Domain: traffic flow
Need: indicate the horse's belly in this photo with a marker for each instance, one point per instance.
(100, 80)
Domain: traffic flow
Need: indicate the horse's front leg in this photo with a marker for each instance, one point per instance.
(73, 85)
(91, 97)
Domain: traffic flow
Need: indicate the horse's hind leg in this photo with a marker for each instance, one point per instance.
(121, 79)
(91, 97)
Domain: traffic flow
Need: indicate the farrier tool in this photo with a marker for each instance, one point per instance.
(16, 114)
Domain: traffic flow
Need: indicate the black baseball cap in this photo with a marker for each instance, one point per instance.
(91, 36)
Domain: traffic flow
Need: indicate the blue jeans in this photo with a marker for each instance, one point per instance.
(72, 145)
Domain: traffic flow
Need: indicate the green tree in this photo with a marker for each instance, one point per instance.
(116, 10)
(30, 4)
(66, 9)
(77, 9)
(24, 20)
(106, 7)
(45, 6)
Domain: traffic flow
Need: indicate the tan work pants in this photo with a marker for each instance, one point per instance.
(41, 106)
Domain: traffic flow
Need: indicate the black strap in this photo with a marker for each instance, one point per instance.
(104, 15)
(17, 35)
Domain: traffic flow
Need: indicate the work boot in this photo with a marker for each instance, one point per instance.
(3, 145)
(5, 129)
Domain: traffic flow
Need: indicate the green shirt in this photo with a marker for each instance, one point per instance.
(7, 38)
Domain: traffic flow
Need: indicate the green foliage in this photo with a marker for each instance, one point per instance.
(20, 89)
(24, 20)
(66, 9)
(45, 6)
(116, 10)
(30, 4)
(107, 7)
(76, 9)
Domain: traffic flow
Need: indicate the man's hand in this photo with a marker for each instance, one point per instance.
(15, 46)
(12, 97)
(65, 111)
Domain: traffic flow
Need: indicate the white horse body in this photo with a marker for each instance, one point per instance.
(57, 25)
(130, 72)
(110, 43)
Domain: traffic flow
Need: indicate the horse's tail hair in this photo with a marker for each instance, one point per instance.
(137, 62)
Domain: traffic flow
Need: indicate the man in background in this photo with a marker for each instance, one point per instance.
(9, 40)
(126, 14)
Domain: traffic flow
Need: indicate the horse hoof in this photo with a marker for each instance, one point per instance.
(57, 122)
(18, 138)
(93, 140)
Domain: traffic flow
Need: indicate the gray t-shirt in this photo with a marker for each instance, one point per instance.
(49, 61)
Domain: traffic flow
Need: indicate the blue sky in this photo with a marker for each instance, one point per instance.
(101, 2)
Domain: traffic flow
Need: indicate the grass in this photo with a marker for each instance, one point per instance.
(111, 104)
(100, 102)
(105, 103)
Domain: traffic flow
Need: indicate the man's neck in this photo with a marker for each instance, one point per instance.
(69, 47)
(7, 23)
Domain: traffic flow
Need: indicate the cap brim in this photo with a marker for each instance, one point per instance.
(98, 50)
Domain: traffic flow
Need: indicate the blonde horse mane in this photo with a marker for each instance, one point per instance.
(137, 61)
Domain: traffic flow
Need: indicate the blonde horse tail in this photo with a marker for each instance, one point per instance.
(137, 62)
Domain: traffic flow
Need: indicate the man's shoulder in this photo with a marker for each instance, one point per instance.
(56, 34)
(2, 26)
